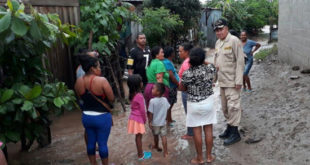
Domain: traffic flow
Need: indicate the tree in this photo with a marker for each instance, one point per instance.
(250, 15)
(259, 14)
(101, 24)
(235, 12)
(27, 96)
(188, 10)
(158, 25)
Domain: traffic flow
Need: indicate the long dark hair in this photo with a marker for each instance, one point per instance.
(87, 62)
(168, 51)
(197, 57)
(155, 50)
(134, 84)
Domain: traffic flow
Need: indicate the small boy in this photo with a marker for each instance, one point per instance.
(158, 108)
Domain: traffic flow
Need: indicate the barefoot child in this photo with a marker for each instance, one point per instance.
(137, 117)
(158, 108)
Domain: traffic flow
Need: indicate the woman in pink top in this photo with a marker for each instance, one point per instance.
(184, 50)
(137, 117)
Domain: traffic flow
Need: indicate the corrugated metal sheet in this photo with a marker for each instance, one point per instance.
(60, 57)
(208, 18)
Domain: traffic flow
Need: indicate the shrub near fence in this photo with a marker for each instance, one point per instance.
(60, 56)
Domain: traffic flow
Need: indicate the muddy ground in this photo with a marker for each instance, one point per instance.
(276, 113)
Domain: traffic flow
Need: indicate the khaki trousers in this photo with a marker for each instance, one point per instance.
(231, 106)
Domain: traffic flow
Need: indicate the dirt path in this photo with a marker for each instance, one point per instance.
(276, 112)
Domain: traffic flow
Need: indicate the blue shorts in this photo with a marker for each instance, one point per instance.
(248, 66)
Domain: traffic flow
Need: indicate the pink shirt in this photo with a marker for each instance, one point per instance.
(138, 109)
(185, 65)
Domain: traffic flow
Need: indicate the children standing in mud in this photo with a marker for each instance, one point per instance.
(158, 108)
(137, 117)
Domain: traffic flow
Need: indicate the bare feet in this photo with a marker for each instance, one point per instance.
(186, 137)
(158, 149)
(166, 154)
(210, 160)
(197, 161)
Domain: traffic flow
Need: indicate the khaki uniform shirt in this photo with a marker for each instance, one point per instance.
(229, 59)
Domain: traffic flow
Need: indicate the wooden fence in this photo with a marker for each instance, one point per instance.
(60, 57)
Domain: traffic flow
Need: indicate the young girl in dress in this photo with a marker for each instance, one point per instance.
(137, 117)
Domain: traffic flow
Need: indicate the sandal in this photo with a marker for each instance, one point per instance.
(146, 155)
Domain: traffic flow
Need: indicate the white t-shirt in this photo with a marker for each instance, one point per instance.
(159, 107)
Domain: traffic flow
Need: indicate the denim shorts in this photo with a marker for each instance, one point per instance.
(248, 66)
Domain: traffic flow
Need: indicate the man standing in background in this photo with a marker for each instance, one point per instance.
(139, 58)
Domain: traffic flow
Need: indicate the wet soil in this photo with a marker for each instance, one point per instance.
(275, 115)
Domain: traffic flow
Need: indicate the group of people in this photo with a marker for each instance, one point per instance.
(153, 83)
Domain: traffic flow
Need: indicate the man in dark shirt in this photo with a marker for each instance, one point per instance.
(139, 58)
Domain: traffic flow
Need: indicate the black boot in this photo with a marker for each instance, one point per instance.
(234, 136)
(226, 133)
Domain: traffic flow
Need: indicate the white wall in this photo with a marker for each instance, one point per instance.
(294, 32)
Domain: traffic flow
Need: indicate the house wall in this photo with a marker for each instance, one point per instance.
(294, 32)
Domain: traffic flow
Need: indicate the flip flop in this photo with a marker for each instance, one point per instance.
(146, 155)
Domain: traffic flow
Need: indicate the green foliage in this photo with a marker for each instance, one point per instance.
(104, 18)
(188, 10)
(158, 25)
(24, 107)
(266, 52)
(26, 96)
(33, 34)
(249, 15)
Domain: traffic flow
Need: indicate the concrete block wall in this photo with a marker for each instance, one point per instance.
(294, 32)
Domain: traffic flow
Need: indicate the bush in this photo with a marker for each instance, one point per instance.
(158, 25)
(250, 15)
(27, 97)
(262, 54)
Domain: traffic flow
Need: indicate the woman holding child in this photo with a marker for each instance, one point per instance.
(197, 82)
